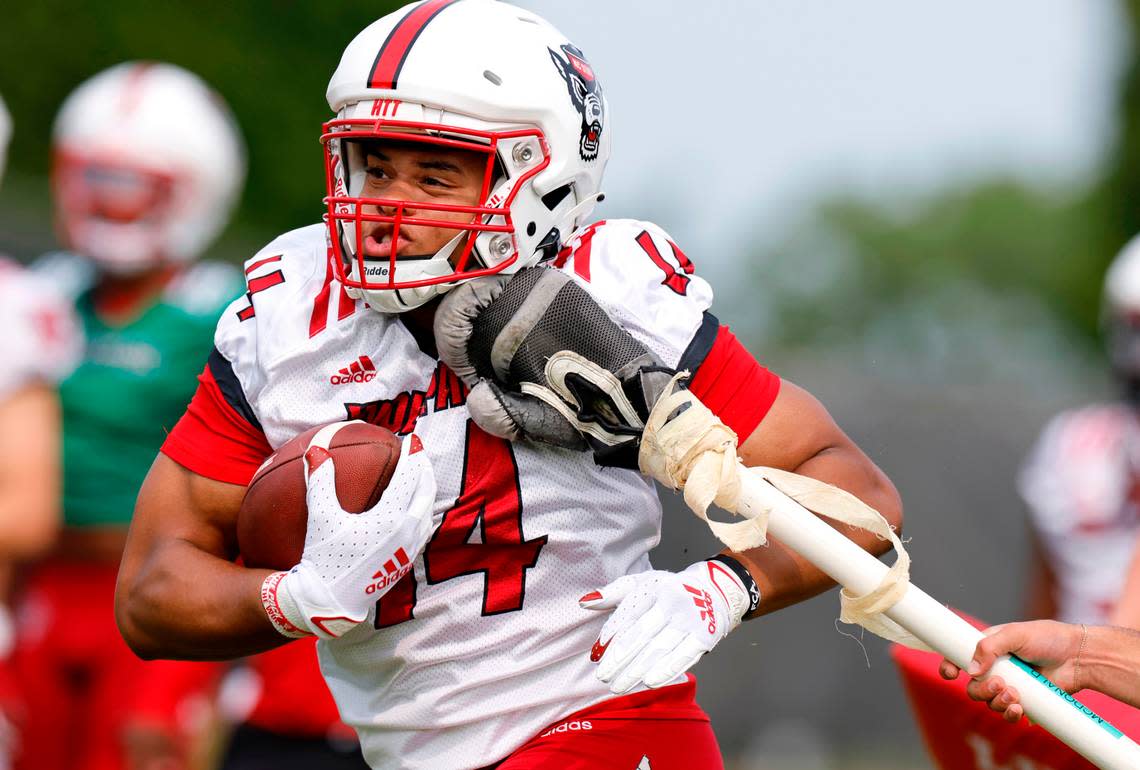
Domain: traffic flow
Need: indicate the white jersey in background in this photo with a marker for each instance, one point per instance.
(1081, 483)
(484, 644)
(41, 341)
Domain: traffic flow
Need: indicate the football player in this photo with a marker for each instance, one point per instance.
(147, 166)
(1081, 480)
(469, 140)
(40, 345)
(1081, 486)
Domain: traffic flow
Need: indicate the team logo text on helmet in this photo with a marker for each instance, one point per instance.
(586, 93)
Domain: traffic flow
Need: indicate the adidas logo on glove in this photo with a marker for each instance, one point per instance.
(390, 573)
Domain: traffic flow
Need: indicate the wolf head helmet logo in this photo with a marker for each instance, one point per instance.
(586, 93)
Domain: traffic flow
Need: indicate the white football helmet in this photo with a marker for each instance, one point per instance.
(5, 135)
(148, 164)
(1120, 311)
(477, 75)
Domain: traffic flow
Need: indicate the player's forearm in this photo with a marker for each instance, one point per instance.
(1127, 611)
(1110, 663)
(29, 520)
(786, 578)
(29, 472)
(187, 604)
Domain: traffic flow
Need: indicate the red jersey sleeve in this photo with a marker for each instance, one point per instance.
(728, 379)
(219, 436)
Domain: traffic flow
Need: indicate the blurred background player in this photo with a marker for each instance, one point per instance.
(1081, 486)
(1081, 480)
(147, 166)
(39, 345)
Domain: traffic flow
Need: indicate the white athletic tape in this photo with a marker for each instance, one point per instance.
(686, 446)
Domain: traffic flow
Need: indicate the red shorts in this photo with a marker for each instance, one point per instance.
(80, 682)
(661, 729)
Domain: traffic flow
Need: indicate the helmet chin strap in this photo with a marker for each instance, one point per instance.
(400, 300)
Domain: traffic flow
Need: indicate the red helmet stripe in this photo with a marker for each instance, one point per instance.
(390, 59)
(133, 87)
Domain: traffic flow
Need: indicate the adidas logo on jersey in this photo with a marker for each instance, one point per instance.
(361, 370)
(393, 569)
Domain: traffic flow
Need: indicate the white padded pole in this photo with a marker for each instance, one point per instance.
(942, 630)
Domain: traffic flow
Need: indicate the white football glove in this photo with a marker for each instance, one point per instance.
(665, 621)
(351, 559)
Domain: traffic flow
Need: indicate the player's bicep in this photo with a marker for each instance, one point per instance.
(796, 428)
(177, 505)
(178, 593)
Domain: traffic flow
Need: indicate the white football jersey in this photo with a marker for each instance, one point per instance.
(483, 645)
(41, 340)
(1081, 483)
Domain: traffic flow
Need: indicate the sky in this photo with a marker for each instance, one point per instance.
(731, 118)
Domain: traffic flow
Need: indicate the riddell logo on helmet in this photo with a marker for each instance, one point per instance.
(360, 370)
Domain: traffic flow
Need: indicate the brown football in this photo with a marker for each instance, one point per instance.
(273, 516)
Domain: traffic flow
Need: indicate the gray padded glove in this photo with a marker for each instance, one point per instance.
(545, 362)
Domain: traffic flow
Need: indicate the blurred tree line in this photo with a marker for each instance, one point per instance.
(934, 279)
(996, 252)
(271, 61)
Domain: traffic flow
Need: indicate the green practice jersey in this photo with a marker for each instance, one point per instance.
(133, 384)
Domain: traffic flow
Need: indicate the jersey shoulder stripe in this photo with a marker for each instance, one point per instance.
(228, 385)
(214, 440)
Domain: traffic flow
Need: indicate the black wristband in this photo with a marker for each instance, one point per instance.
(746, 578)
